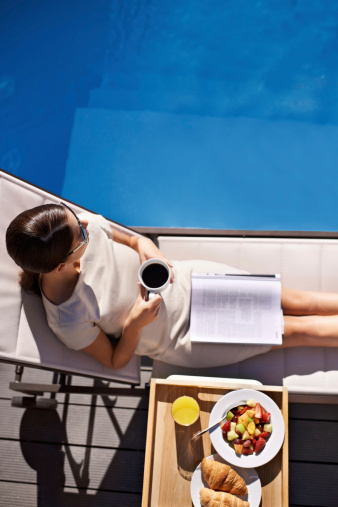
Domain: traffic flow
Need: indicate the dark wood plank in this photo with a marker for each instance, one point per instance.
(313, 485)
(313, 441)
(16, 494)
(313, 412)
(76, 425)
(55, 466)
(26, 495)
(100, 499)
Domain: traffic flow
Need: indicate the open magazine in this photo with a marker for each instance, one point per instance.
(236, 309)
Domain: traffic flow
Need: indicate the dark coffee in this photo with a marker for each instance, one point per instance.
(155, 275)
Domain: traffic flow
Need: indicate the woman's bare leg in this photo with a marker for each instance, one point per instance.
(299, 302)
(310, 331)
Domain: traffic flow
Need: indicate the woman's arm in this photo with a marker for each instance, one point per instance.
(118, 356)
(143, 246)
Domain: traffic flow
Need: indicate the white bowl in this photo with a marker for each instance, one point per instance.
(273, 445)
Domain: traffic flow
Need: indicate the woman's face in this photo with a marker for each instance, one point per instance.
(77, 237)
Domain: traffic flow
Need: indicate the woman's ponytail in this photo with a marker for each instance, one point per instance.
(29, 282)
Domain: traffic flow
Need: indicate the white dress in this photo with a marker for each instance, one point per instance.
(106, 291)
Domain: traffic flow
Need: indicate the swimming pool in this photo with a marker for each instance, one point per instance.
(185, 114)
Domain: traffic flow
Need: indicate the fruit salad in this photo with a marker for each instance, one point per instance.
(247, 428)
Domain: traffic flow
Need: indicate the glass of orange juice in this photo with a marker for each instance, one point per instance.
(185, 410)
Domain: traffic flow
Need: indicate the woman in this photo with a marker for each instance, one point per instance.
(86, 274)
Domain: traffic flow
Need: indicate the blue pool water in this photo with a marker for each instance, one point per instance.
(169, 113)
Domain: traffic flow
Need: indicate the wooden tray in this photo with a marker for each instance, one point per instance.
(171, 457)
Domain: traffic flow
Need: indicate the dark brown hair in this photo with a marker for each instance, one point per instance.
(38, 240)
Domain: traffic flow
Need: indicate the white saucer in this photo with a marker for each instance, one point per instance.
(249, 475)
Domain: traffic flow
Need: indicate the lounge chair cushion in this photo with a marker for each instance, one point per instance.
(308, 264)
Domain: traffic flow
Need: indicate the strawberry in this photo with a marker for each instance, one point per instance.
(265, 435)
(258, 411)
(265, 417)
(226, 426)
(260, 444)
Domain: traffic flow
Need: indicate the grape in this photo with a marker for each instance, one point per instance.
(260, 426)
(247, 443)
(238, 441)
(235, 419)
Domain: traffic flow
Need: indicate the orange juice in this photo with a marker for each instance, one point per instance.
(185, 410)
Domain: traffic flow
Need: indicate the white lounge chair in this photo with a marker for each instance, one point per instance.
(25, 338)
(310, 374)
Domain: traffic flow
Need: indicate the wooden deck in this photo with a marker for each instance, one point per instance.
(90, 451)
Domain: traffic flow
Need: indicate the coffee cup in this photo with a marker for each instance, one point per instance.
(154, 275)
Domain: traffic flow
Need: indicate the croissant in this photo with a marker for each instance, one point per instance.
(210, 498)
(222, 477)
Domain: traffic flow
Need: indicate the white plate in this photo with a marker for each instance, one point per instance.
(248, 474)
(275, 442)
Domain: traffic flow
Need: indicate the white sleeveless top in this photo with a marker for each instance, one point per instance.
(106, 291)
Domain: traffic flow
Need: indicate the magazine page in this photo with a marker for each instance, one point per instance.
(236, 309)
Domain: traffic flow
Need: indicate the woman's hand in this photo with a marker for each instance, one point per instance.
(144, 246)
(148, 250)
(144, 312)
